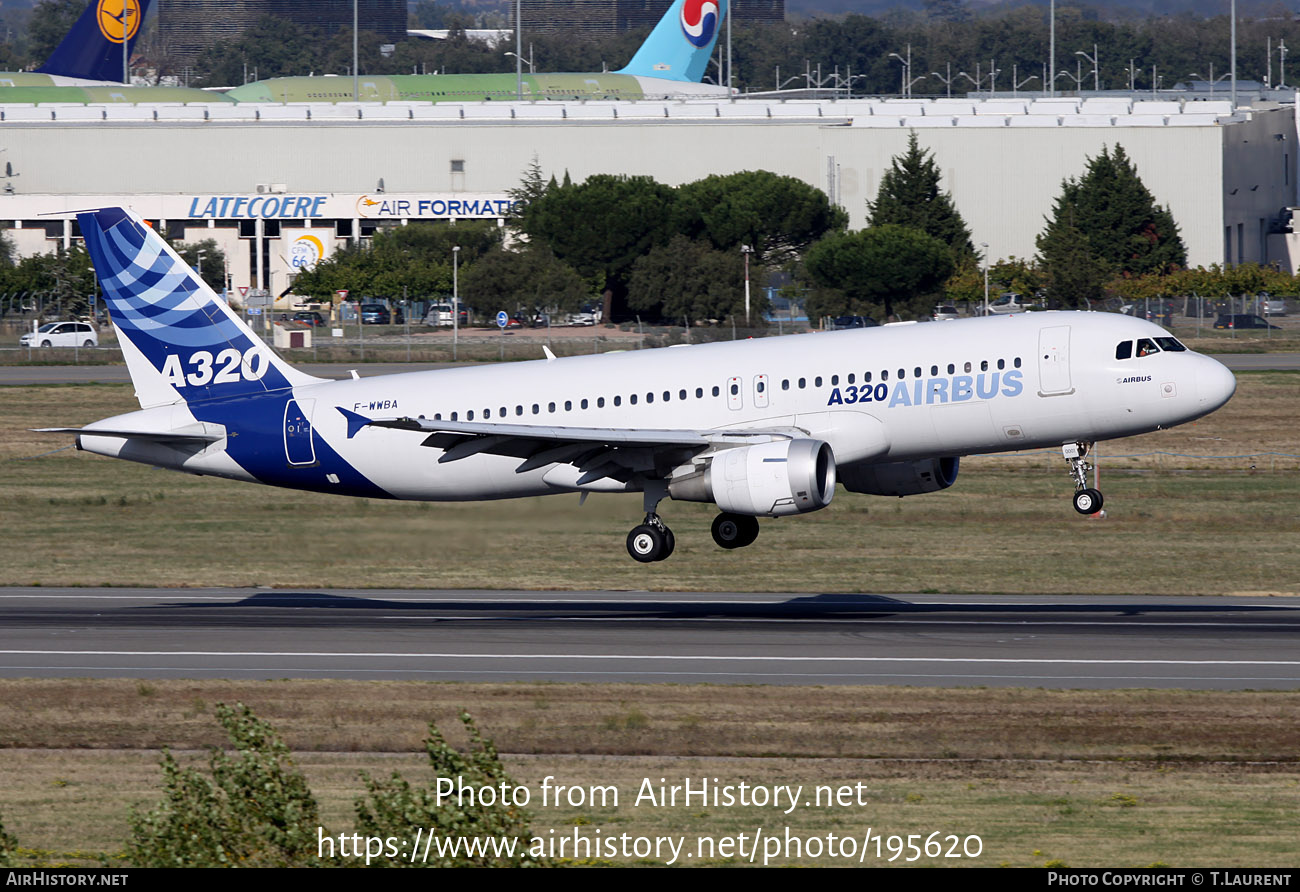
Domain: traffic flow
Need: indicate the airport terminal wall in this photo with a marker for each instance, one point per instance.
(1226, 176)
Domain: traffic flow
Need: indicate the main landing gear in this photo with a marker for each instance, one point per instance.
(652, 541)
(1086, 499)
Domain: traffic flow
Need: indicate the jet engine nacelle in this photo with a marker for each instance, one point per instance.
(900, 478)
(767, 479)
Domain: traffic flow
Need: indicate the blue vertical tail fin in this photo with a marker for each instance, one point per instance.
(679, 47)
(93, 48)
(180, 340)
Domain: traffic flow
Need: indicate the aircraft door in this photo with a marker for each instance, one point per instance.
(760, 391)
(299, 449)
(735, 399)
(1054, 361)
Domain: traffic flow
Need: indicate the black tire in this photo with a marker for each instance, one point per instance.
(46, 344)
(1087, 501)
(646, 544)
(88, 344)
(734, 530)
(670, 543)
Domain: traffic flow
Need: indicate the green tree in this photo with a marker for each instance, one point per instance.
(8, 847)
(1125, 230)
(881, 267)
(254, 810)
(50, 22)
(778, 216)
(395, 808)
(531, 280)
(909, 195)
(602, 225)
(688, 279)
(1076, 276)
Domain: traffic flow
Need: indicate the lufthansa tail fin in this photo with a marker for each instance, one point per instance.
(93, 48)
(679, 47)
(180, 340)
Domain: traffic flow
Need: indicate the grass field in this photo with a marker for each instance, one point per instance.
(1213, 502)
(1123, 778)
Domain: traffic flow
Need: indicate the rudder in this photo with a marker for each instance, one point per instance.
(680, 45)
(180, 341)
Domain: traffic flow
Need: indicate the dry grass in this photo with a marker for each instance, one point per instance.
(74, 519)
(668, 720)
(1088, 778)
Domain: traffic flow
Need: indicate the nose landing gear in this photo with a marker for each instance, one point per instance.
(1086, 499)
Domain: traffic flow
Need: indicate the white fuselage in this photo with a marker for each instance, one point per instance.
(894, 393)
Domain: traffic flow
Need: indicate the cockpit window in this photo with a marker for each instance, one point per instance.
(1171, 345)
(1124, 350)
(1146, 347)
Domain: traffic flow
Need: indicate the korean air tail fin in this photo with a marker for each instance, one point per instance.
(93, 48)
(180, 340)
(680, 45)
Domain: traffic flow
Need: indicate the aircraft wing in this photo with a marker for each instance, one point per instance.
(599, 452)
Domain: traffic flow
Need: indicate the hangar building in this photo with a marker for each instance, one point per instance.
(279, 185)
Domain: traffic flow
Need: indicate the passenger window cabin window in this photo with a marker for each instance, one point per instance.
(568, 405)
(632, 399)
(817, 381)
(852, 377)
(916, 372)
(934, 370)
(550, 407)
(699, 393)
(902, 374)
(681, 394)
(984, 365)
(618, 400)
(1002, 364)
(453, 416)
(866, 377)
(649, 397)
(835, 380)
(761, 387)
(952, 369)
(884, 374)
(536, 408)
(735, 389)
(1017, 362)
(785, 384)
(803, 382)
(716, 391)
(583, 404)
(519, 410)
(967, 367)
(668, 395)
(502, 413)
(469, 416)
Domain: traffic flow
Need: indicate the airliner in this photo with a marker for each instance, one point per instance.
(759, 428)
(670, 64)
(87, 65)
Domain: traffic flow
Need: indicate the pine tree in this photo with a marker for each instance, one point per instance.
(1125, 230)
(909, 196)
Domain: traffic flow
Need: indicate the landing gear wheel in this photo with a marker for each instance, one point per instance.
(648, 543)
(734, 530)
(1087, 501)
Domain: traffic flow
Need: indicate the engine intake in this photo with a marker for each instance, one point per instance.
(901, 478)
(767, 479)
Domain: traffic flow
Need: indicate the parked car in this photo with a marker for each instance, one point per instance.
(61, 334)
(439, 314)
(1006, 303)
(1273, 306)
(841, 323)
(1243, 320)
(309, 317)
(375, 314)
(944, 313)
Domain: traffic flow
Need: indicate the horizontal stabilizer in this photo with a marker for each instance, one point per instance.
(152, 436)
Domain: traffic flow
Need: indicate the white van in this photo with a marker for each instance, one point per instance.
(61, 334)
(439, 314)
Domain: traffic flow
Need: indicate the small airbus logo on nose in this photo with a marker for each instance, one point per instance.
(116, 17)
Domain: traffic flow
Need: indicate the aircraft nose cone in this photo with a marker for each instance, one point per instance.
(1215, 385)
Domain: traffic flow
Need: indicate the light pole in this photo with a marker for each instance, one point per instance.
(985, 246)
(946, 81)
(455, 301)
(1212, 79)
(1096, 76)
(746, 250)
(1016, 83)
(907, 70)
(528, 61)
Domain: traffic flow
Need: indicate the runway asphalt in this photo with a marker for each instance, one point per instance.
(19, 375)
(829, 639)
